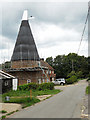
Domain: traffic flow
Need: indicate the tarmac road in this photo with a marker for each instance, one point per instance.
(66, 104)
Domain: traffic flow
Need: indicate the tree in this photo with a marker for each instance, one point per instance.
(65, 64)
(49, 60)
(79, 74)
(71, 74)
(58, 66)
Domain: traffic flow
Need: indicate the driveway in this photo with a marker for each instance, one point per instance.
(66, 104)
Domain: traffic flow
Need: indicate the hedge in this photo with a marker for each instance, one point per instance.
(71, 80)
(46, 86)
(35, 86)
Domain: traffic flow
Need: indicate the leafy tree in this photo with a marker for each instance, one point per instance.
(71, 74)
(79, 74)
(49, 60)
(71, 80)
(58, 66)
(65, 64)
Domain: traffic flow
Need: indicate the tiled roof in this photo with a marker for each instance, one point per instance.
(45, 64)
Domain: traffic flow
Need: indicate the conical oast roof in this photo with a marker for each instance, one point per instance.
(25, 48)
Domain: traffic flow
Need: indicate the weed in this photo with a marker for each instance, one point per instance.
(3, 111)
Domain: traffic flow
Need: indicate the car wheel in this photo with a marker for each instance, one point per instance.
(62, 84)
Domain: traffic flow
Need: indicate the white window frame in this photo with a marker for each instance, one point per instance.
(15, 83)
(39, 81)
(28, 81)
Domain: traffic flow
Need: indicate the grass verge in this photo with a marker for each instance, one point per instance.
(23, 97)
(88, 90)
(24, 101)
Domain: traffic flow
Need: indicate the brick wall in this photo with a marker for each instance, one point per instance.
(34, 76)
(24, 64)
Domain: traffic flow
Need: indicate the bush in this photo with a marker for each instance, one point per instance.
(79, 74)
(46, 86)
(71, 80)
(88, 77)
(71, 74)
(3, 111)
(35, 86)
(88, 90)
(29, 86)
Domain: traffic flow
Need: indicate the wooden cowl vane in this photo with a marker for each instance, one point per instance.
(25, 53)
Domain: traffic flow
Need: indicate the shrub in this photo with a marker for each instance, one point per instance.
(88, 77)
(71, 74)
(3, 111)
(88, 90)
(35, 86)
(71, 80)
(79, 74)
(46, 86)
(28, 86)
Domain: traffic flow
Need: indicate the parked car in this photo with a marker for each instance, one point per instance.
(59, 81)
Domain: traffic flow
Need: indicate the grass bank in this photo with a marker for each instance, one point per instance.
(23, 96)
(88, 90)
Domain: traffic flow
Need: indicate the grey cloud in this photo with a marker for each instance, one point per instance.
(67, 14)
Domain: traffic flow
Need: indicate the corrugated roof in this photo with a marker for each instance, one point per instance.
(25, 48)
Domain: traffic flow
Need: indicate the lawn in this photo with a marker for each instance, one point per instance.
(23, 97)
(88, 90)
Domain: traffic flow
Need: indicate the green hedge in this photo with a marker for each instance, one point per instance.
(71, 80)
(46, 86)
(35, 86)
(29, 86)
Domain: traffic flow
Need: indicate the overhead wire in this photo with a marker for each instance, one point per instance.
(84, 29)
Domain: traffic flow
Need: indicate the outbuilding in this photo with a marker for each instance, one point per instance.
(7, 82)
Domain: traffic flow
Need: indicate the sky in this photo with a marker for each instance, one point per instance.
(56, 28)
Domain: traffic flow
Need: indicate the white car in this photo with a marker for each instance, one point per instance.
(59, 81)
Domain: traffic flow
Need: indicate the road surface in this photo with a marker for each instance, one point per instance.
(66, 104)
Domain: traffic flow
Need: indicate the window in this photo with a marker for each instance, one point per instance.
(53, 72)
(47, 80)
(28, 81)
(50, 71)
(43, 80)
(47, 71)
(52, 79)
(39, 81)
(6, 83)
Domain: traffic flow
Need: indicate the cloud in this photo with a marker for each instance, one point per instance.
(6, 48)
(48, 35)
(57, 27)
(67, 14)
